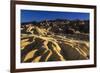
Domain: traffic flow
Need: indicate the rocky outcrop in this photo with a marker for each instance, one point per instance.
(56, 41)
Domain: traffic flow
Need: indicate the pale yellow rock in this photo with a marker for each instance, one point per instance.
(30, 55)
(37, 59)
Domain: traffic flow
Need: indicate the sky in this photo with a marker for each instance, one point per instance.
(32, 15)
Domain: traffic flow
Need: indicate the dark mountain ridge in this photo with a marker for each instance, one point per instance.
(62, 25)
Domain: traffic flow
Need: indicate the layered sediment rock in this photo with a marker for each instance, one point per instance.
(42, 44)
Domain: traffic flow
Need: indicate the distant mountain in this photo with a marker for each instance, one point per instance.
(63, 25)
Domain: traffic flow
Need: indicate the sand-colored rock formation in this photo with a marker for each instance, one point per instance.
(39, 46)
